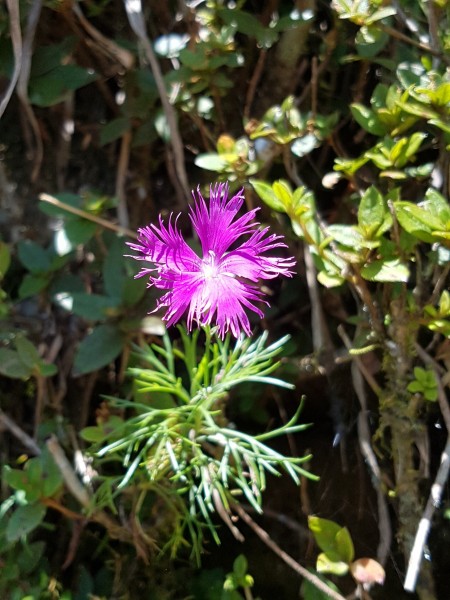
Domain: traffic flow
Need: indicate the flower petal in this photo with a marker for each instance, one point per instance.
(224, 298)
(214, 289)
(214, 225)
(165, 247)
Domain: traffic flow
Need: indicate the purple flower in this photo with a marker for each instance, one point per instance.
(216, 287)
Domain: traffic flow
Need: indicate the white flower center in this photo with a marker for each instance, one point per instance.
(209, 266)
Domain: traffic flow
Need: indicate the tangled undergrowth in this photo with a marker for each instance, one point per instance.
(131, 447)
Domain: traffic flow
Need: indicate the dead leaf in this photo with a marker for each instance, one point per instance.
(367, 570)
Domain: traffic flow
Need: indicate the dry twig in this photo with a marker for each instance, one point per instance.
(435, 497)
(20, 434)
(364, 437)
(16, 39)
(298, 568)
(85, 215)
(122, 168)
(136, 19)
(22, 84)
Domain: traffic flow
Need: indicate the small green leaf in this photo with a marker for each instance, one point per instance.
(444, 303)
(431, 394)
(240, 566)
(114, 273)
(420, 374)
(103, 431)
(29, 558)
(385, 270)
(47, 369)
(310, 592)
(267, 195)
(12, 366)
(32, 285)
(344, 545)
(211, 162)
(133, 291)
(329, 280)
(324, 532)
(349, 166)
(92, 434)
(27, 352)
(33, 256)
(92, 307)
(370, 40)
(438, 207)
(325, 564)
(347, 235)
(80, 231)
(98, 349)
(51, 478)
(46, 58)
(414, 220)
(283, 192)
(17, 479)
(24, 520)
(381, 13)
(415, 387)
(196, 60)
(53, 87)
(371, 211)
(114, 130)
(368, 119)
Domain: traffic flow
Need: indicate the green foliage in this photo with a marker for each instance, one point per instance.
(23, 565)
(40, 478)
(24, 361)
(52, 78)
(424, 383)
(232, 159)
(338, 556)
(167, 456)
(336, 544)
(238, 578)
(362, 12)
(183, 446)
(310, 592)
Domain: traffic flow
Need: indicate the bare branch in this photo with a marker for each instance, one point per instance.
(19, 433)
(136, 19)
(85, 215)
(298, 568)
(16, 39)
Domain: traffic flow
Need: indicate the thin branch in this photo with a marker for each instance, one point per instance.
(78, 491)
(434, 501)
(22, 84)
(85, 215)
(439, 284)
(298, 568)
(404, 38)
(20, 434)
(443, 403)
(376, 389)
(136, 19)
(251, 90)
(364, 437)
(108, 47)
(435, 497)
(16, 39)
(122, 168)
(71, 480)
(40, 402)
